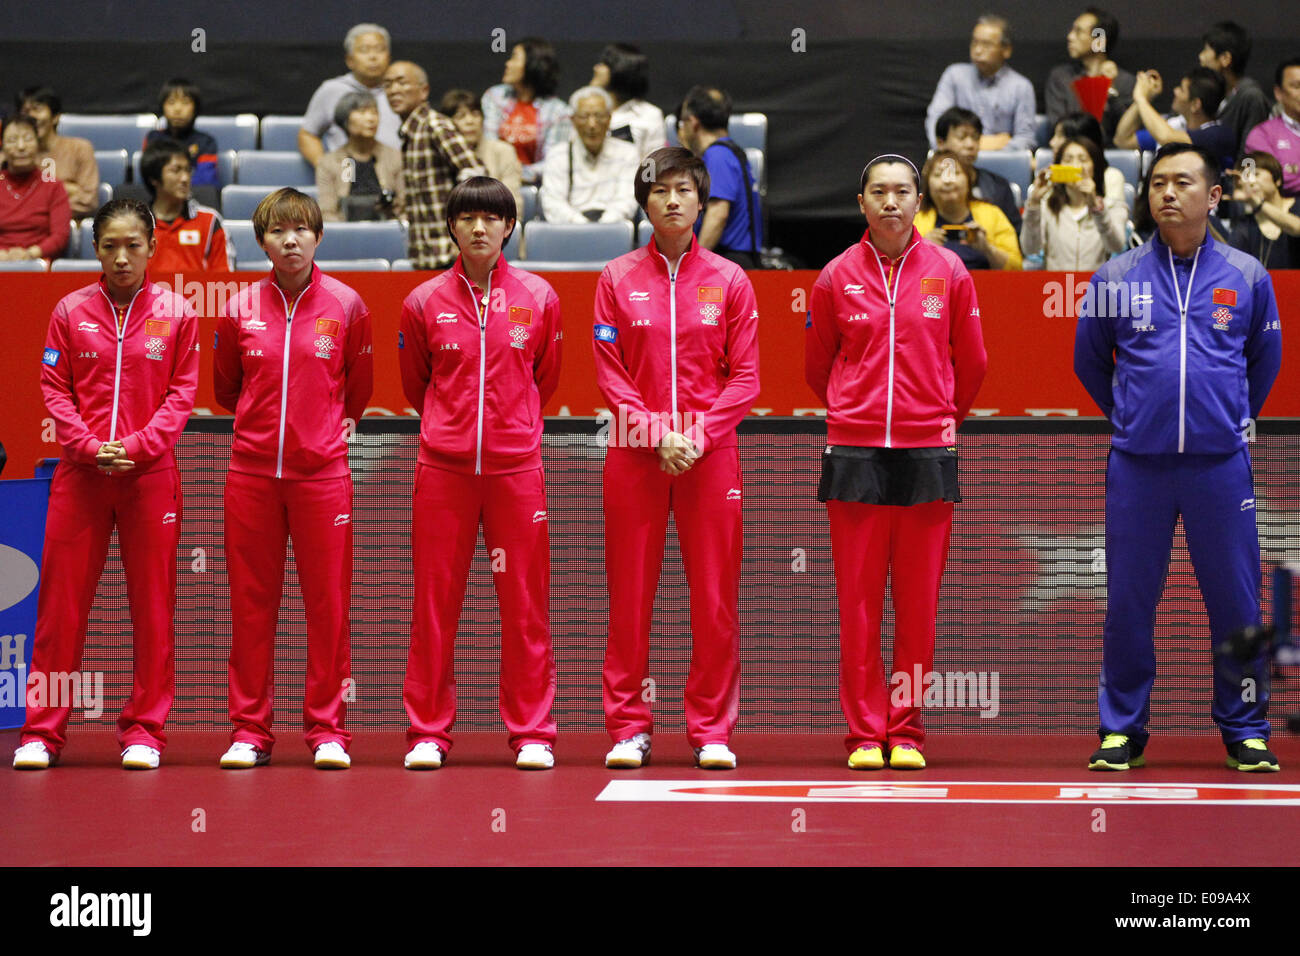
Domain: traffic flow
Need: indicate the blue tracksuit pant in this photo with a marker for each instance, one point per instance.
(1145, 494)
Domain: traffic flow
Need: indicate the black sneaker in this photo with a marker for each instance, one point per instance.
(1251, 755)
(1117, 753)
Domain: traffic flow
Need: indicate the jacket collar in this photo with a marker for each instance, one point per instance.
(653, 246)
(870, 248)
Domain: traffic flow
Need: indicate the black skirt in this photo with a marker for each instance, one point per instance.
(888, 476)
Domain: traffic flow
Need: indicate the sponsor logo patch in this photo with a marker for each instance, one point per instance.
(87, 327)
(733, 494)
(604, 333)
(709, 314)
(446, 317)
(157, 327)
(1222, 316)
(51, 357)
(1248, 504)
(154, 349)
(1225, 297)
(932, 306)
(342, 519)
(255, 325)
(709, 293)
(520, 316)
(169, 518)
(852, 289)
(638, 297)
(859, 317)
(539, 516)
(518, 338)
(188, 237)
(328, 327)
(324, 347)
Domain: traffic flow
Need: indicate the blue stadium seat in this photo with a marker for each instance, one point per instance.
(402, 265)
(576, 242)
(1130, 197)
(280, 132)
(749, 130)
(112, 165)
(593, 265)
(75, 265)
(264, 168)
(247, 252)
(109, 132)
(644, 232)
(238, 202)
(353, 265)
(364, 240)
(105, 193)
(757, 168)
(1042, 129)
(86, 245)
(1128, 162)
(1016, 165)
(231, 132)
(530, 210)
(1042, 157)
(512, 244)
(28, 265)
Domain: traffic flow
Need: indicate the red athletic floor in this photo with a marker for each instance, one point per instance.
(89, 812)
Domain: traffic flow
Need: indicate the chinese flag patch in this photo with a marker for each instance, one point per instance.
(1225, 297)
(709, 293)
(933, 286)
(157, 327)
(328, 326)
(521, 316)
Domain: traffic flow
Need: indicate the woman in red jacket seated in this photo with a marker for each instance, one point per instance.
(294, 363)
(479, 349)
(119, 372)
(894, 349)
(35, 219)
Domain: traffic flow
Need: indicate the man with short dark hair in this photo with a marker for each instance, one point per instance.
(190, 236)
(1226, 50)
(73, 157)
(1196, 100)
(1003, 99)
(1179, 343)
(1091, 44)
(434, 157)
(733, 219)
(1280, 135)
(366, 51)
(959, 130)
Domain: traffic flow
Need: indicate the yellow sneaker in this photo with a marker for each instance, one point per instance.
(867, 758)
(906, 757)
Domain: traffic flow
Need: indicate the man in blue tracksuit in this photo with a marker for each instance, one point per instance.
(1179, 342)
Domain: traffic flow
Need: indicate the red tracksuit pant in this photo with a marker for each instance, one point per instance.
(261, 515)
(706, 501)
(84, 507)
(447, 510)
(867, 543)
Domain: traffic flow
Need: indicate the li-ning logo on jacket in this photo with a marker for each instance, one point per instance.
(255, 325)
(445, 317)
(87, 327)
(638, 297)
(853, 289)
(154, 349)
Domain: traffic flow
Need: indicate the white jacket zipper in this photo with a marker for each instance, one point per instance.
(480, 310)
(284, 374)
(891, 296)
(117, 371)
(1183, 305)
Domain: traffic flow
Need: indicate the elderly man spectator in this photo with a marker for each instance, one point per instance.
(959, 131)
(502, 162)
(1091, 43)
(1196, 101)
(591, 179)
(1226, 50)
(1001, 97)
(733, 219)
(361, 167)
(73, 157)
(1280, 136)
(434, 157)
(366, 52)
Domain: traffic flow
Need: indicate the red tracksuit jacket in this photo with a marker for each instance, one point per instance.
(136, 386)
(900, 376)
(676, 353)
(480, 375)
(291, 372)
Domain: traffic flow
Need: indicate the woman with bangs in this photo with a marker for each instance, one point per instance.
(950, 216)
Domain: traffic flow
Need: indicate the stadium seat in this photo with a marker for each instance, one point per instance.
(1130, 197)
(75, 265)
(238, 202)
(73, 250)
(1128, 162)
(231, 132)
(1042, 158)
(112, 165)
(28, 265)
(364, 240)
(644, 232)
(1015, 195)
(264, 168)
(530, 210)
(576, 242)
(749, 130)
(247, 251)
(1042, 129)
(1015, 165)
(105, 193)
(512, 244)
(86, 245)
(757, 168)
(109, 132)
(594, 265)
(280, 132)
(353, 265)
(402, 265)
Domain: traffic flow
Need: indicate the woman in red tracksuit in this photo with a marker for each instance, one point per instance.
(119, 374)
(479, 349)
(894, 349)
(294, 362)
(676, 342)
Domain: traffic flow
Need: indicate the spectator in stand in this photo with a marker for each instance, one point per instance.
(500, 159)
(1074, 125)
(74, 157)
(523, 110)
(1091, 43)
(434, 157)
(1002, 97)
(591, 179)
(959, 130)
(1196, 100)
(360, 167)
(33, 210)
(190, 237)
(733, 219)
(978, 232)
(366, 52)
(1268, 228)
(1073, 223)
(624, 71)
(1280, 135)
(1226, 50)
(179, 103)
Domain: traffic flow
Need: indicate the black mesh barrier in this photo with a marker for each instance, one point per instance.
(1022, 601)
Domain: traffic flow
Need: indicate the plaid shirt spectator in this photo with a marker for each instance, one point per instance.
(434, 156)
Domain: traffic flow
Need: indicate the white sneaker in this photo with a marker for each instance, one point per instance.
(426, 755)
(244, 756)
(715, 757)
(535, 757)
(331, 756)
(33, 756)
(139, 757)
(629, 754)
